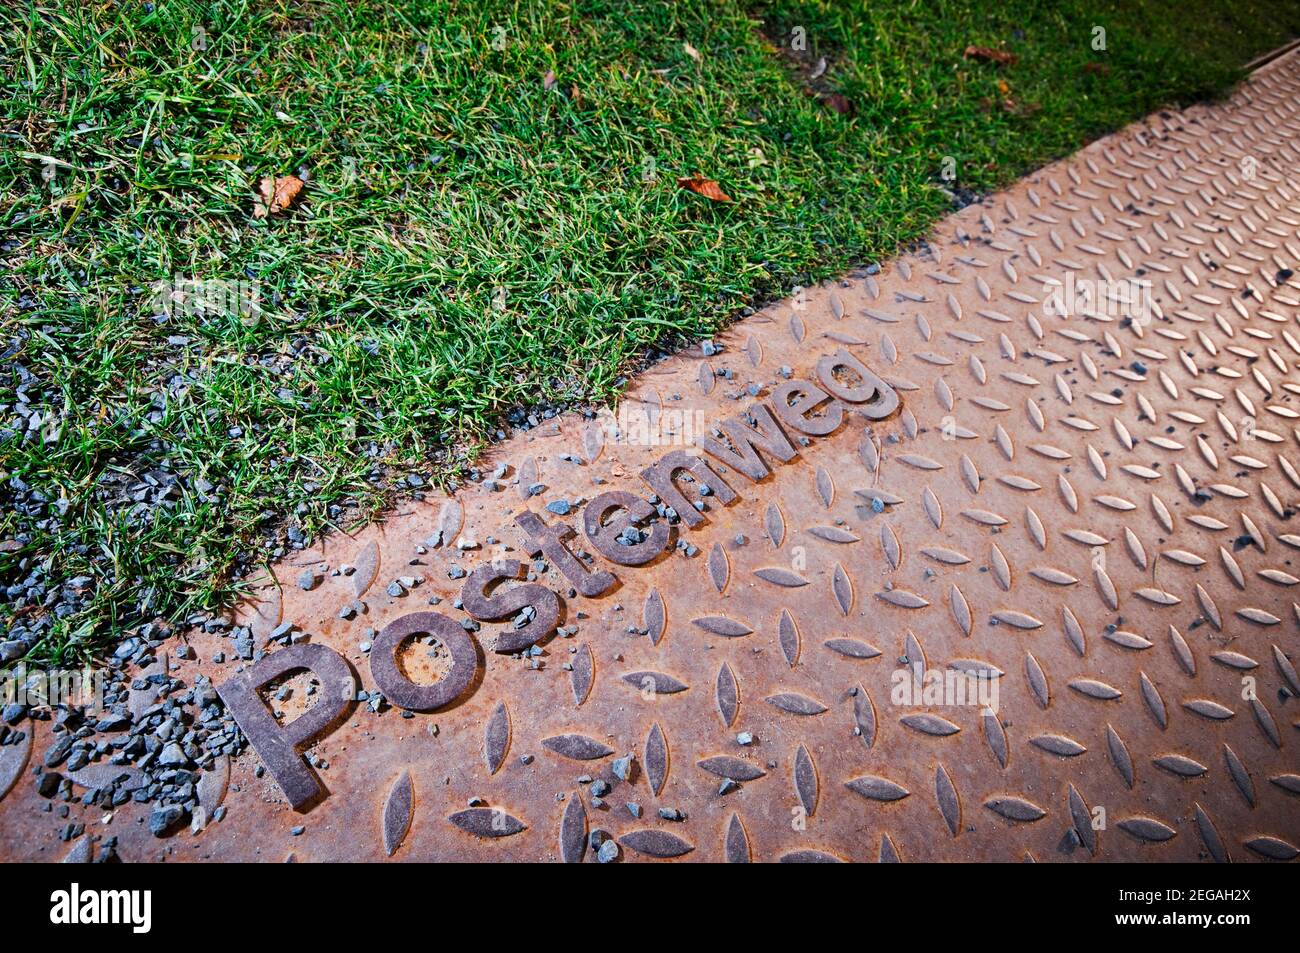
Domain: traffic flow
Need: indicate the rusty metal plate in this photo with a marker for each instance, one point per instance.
(990, 555)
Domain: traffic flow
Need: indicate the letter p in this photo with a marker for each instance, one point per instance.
(275, 744)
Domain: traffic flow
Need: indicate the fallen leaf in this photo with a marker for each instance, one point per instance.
(1093, 66)
(837, 103)
(691, 51)
(706, 187)
(1019, 109)
(990, 55)
(548, 81)
(276, 195)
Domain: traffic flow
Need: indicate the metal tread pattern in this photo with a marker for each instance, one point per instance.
(1091, 513)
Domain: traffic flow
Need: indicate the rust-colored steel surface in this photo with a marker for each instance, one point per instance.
(989, 555)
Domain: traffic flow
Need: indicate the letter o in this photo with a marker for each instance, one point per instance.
(403, 692)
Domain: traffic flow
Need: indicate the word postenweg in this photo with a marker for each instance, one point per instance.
(612, 523)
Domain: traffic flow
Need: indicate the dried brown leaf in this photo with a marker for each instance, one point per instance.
(276, 195)
(1019, 108)
(836, 103)
(706, 187)
(989, 55)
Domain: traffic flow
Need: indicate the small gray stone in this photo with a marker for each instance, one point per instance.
(622, 767)
(164, 819)
(173, 755)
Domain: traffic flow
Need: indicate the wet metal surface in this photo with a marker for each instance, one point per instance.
(985, 565)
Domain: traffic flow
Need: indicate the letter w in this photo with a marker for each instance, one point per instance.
(765, 434)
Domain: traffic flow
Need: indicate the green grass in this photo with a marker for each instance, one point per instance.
(470, 241)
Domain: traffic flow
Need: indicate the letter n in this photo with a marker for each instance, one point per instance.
(664, 472)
